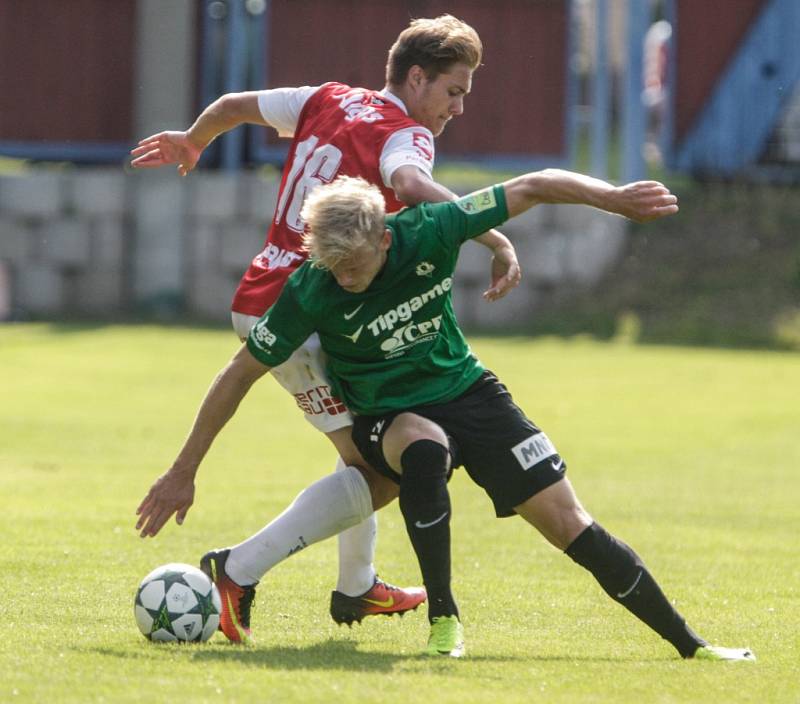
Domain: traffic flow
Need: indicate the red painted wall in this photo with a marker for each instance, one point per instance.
(66, 70)
(517, 104)
(68, 65)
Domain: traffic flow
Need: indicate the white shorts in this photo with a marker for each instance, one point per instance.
(303, 376)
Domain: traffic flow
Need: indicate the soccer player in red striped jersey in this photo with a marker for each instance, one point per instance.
(386, 137)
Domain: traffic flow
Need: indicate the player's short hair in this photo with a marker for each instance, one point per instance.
(434, 45)
(341, 218)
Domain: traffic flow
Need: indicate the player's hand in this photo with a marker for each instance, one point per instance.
(506, 273)
(173, 492)
(167, 148)
(643, 201)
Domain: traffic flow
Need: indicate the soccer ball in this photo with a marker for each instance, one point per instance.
(177, 602)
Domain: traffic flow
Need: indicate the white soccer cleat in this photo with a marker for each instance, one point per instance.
(716, 652)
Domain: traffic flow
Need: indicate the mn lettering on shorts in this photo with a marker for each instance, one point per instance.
(490, 436)
(303, 375)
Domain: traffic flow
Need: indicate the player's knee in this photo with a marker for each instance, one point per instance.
(556, 513)
(425, 459)
(342, 440)
(574, 521)
(405, 431)
(382, 489)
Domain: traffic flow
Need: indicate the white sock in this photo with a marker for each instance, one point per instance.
(327, 507)
(357, 550)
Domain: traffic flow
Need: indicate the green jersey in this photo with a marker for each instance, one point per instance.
(397, 344)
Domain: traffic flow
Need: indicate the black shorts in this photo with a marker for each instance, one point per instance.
(502, 451)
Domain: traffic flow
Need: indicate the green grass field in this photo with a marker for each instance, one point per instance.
(691, 455)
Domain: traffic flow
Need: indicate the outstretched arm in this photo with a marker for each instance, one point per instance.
(173, 491)
(185, 148)
(412, 187)
(641, 201)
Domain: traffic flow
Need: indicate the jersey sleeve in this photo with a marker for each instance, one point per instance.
(281, 107)
(471, 215)
(409, 146)
(281, 330)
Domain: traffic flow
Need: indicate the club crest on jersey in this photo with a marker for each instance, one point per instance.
(425, 269)
(423, 144)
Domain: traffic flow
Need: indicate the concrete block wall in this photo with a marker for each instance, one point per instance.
(559, 248)
(61, 242)
(228, 217)
(106, 243)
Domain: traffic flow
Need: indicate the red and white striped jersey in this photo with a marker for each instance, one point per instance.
(337, 130)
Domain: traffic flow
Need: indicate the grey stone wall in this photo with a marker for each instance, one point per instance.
(109, 244)
(63, 242)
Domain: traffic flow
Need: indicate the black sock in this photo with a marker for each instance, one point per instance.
(623, 576)
(425, 504)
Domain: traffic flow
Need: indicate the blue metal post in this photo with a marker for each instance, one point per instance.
(572, 122)
(211, 64)
(666, 136)
(235, 78)
(601, 87)
(210, 59)
(258, 73)
(633, 109)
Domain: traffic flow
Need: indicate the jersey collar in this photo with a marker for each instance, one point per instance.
(386, 93)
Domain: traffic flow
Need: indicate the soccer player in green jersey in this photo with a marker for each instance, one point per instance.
(377, 292)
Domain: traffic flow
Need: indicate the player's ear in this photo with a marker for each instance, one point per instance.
(386, 240)
(416, 76)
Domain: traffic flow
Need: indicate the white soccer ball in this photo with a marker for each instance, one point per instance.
(177, 602)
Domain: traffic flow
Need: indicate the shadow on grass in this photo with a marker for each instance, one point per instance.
(325, 655)
(329, 655)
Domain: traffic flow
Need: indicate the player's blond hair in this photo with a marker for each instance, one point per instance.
(434, 45)
(342, 217)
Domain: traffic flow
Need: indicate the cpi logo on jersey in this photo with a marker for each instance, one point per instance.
(411, 334)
